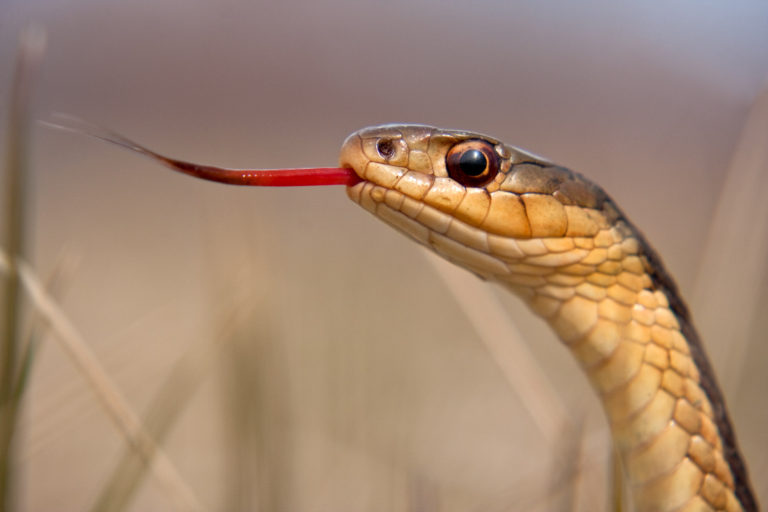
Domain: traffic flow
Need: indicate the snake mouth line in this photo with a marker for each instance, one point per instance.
(355, 178)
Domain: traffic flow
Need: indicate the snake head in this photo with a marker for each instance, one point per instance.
(468, 196)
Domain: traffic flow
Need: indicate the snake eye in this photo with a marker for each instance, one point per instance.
(386, 148)
(472, 163)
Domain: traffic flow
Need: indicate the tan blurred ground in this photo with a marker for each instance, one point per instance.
(360, 384)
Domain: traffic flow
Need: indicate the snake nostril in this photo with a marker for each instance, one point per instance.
(386, 148)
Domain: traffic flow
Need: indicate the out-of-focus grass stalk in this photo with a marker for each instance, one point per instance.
(567, 466)
(162, 469)
(735, 258)
(261, 444)
(617, 483)
(38, 327)
(31, 45)
(15, 368)
(423, 495)
(187, 374)
(505, 345)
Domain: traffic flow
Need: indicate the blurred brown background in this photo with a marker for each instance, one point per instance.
(349, 378)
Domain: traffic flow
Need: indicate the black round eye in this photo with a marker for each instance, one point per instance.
(473, 163)
(386, 148)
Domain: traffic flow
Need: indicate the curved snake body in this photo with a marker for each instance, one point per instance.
(562, 245)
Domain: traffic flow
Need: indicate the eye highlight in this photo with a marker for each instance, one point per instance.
(472, 163)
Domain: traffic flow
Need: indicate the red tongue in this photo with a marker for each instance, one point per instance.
(252, 177)
(263, 177)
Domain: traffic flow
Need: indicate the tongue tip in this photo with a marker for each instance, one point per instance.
(249, 177)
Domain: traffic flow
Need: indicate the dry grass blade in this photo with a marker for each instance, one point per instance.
(116, 406)
(617, 483)
(261, 430)
(504, 342)
(37, 328)
(31, 45)
(566, 468)
(727, 295)
(423, 495)
(573, 481)
(165, 409)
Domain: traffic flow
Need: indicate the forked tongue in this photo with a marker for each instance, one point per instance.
(252, 177)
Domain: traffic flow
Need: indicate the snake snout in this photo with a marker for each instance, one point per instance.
(351, 155)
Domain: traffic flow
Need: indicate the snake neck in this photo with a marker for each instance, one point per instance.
(619, 313)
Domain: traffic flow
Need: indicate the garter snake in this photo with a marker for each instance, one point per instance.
(561, 244)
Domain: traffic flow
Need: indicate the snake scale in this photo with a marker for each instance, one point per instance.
(561, 244)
